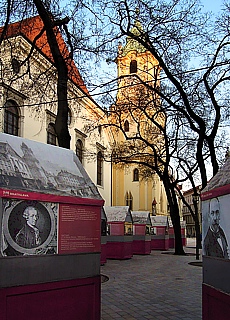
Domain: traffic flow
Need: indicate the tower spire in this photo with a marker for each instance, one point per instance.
(132, 44)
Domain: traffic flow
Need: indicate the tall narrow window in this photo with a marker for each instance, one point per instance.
(133, 66)
(79, 150)
(69, 117)
(129, 200)
(99, 130)
(99, 168)
(136, 175)
(11, 118)
(126, 126)
(51, 134)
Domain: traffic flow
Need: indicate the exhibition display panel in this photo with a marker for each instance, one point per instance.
(50, 222)
(119, 232)
(159, 233)
(183, 232)
(171, 235)
(103, 237)
(141, 232)
(215, 245)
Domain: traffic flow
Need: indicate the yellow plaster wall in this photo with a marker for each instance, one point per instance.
(143, 192)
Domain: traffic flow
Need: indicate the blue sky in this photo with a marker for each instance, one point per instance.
(212, 5)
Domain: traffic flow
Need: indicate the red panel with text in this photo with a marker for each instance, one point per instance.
(79, 229)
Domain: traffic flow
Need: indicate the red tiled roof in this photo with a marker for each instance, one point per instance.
(30, 28)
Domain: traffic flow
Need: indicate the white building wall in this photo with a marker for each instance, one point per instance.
(34, 98)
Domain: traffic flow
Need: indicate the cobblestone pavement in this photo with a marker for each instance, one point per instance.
(158, 286)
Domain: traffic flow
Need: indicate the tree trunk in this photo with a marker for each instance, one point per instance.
(61, 123)
(200, 160)
(175, 216)
(215, 165)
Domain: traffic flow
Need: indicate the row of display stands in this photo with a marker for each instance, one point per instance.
(51, 234)
(126, 233)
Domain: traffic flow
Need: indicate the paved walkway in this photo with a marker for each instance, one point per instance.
(159, 286)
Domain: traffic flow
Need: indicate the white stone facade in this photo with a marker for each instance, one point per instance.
(32, 89)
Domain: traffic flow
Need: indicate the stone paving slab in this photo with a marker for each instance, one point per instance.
(156, 286)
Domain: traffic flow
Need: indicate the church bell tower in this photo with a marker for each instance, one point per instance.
(136, 67)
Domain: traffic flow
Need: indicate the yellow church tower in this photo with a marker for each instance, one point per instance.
(136, 67)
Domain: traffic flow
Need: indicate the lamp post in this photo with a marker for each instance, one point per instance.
(196, 197)
(196, 200)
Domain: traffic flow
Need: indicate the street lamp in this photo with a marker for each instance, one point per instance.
(196, 197)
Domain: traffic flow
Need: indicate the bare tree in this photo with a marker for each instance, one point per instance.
(175, 33)
(61, 57)
(192, 98)
(50, 25)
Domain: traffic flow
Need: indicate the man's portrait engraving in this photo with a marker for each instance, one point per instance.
(29, 227)
(29, 235)
(215, 242)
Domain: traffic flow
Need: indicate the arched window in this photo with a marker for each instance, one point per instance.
(129, 200)
(99, 168)
(126, 126)
(133, 66)
(11, 118)
(136, 175)
(15, 65)
(79, 149)
(51, 134)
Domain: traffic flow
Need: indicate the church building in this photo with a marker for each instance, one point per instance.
(28, 108)
(136, 67)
